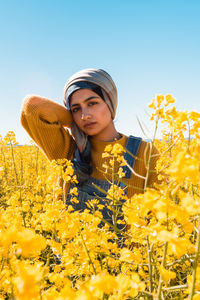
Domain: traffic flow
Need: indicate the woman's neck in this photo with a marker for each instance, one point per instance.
(109, 134)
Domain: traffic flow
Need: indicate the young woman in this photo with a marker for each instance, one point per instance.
(90, 98)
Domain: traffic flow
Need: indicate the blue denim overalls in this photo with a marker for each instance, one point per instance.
(88, 190)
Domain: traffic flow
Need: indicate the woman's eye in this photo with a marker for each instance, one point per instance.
(75, 109)
(92, 103)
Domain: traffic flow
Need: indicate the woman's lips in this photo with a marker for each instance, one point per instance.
(89, 125)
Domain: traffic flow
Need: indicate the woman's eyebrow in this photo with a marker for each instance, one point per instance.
(87, 99)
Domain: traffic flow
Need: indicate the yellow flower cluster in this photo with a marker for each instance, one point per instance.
(50, 251)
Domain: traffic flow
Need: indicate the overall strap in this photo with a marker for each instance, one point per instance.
(132, 146)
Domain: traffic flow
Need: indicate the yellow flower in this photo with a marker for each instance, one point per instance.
(159, 100)
(74, 200)
(104, 155)
(191, 204)
(185, 167)
(27, 280)
(7, 237)
(117, 149)
(115, 192)
(30, 243)
(167, 274)
(152, 104)
(103, 283)
(127, 255)
(10, 138)
(197, 283)
(121, 173)
(108, 148)
(194, 115)
(169, 100)
(74, 191)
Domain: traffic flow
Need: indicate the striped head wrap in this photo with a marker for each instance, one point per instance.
(101, 79)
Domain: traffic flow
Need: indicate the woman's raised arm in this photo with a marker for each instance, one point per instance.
(45, 122)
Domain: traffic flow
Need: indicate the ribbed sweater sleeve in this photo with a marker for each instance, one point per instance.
(45, 122)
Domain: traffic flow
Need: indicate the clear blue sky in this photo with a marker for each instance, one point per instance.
(148, 46)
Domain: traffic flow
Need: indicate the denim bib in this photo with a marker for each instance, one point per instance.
(89, 191)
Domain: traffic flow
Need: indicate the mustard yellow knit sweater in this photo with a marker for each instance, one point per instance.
(47, 121)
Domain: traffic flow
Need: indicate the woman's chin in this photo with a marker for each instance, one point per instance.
(91, 131)
(92, 134)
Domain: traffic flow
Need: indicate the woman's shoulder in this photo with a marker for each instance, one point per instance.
(139, 145)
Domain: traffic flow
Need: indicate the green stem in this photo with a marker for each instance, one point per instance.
(188, 258)
(150, 155)
(88, 254)
(2, 266)
(48, 259)
(189, 137)
(112, 227)
(11, 277)
(14, 165)
(36, 167)
(176, 288)
(113, 198)
(195, 263)
(145, 293)
(160, 283)
(4, 160)
(149, 250)
(21, 169)
(148, 167)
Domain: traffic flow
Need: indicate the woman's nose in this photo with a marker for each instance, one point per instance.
(85, 115)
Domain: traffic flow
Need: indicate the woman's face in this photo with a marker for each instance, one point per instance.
(91, 113)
